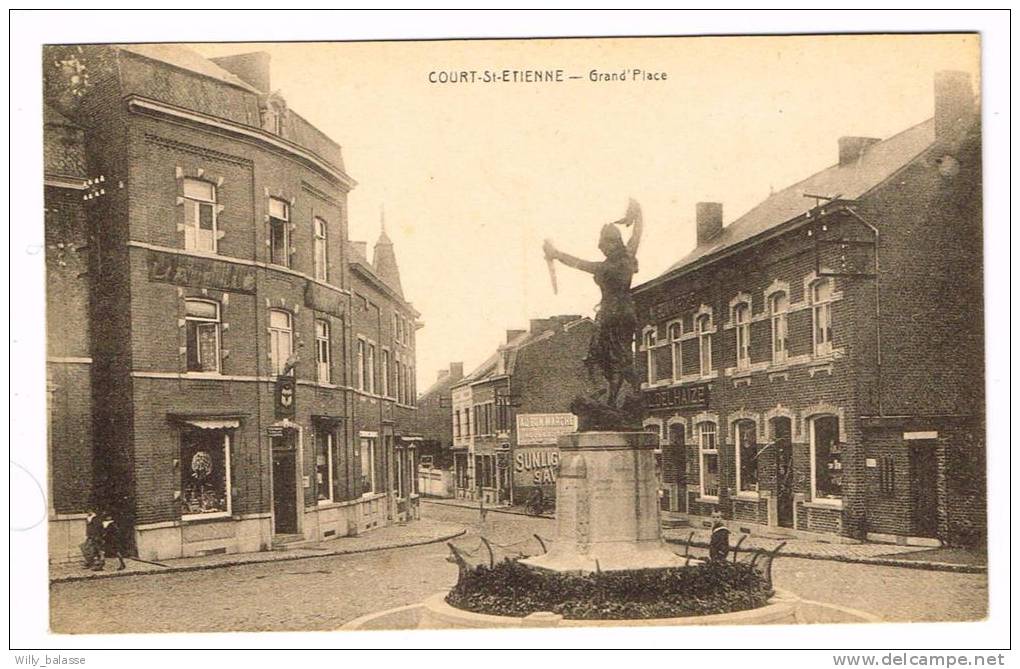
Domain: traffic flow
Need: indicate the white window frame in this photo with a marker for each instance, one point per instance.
(193, 204)
(703, 327)
(285, 222)
(370, 348)
(702, 452)
(780, 332)
(320, 232)
(815, 497)
(821, 317)
(737, 433)
(323, 355)
(649, 342)
(275, 335)
(675, 332)
(329, 463)
(360, 353)
(741, 315)
(216, 322)
(228, 489)
(384, 376)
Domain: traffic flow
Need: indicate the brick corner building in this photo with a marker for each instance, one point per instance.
(817, 365)
(218, 355)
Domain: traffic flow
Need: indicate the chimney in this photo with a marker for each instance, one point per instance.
(852, 148)
(513, 334)
(252, 68)
(456, 371)
(709, 218)
(954, 103)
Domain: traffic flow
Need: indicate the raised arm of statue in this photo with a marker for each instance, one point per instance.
(634, 217)
(552, 253)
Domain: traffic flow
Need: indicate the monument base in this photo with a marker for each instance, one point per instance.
(607, 506)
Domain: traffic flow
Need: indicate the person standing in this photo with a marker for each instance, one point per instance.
(92, 547)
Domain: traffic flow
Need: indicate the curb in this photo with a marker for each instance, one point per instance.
(491, 509)
(239, 563)
(878, 561)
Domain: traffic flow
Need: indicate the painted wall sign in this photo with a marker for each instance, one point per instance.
(200, 272)
(320, 298)
(682, 397)
(536, 466)
(543, 428)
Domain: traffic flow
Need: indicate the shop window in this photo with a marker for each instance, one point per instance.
(322, 357)
(779, 303)
(202, 331)
(703, 326)
(279, 232)
(676, 350)
(321, 249)
(281, 340)
(324, 448)
(366, 454)
(746, 439)
(708, 447)
(205, 472)
(199, 215)
(826, 458)
(821, 314)
(742, 325)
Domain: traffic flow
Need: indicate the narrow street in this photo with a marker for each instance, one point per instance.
(323, 593)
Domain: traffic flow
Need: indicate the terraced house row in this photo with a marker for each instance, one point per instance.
(817, 365)
(227, 369)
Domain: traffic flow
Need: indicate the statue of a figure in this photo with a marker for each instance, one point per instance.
(611, 347)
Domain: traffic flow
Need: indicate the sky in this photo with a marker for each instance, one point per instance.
(474, 176)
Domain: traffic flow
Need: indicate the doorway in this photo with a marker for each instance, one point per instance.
(284, 484)
(924, 489)
(782, 439)
(675, 466)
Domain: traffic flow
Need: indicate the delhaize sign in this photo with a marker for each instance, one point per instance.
(539, 429)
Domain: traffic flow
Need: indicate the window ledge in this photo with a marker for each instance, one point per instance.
(201, 375)
(369, 496)
(706, 499)
(201, 517)
(821, 503)
(748, 495)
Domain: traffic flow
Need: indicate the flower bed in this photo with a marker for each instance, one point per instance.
(513, 589)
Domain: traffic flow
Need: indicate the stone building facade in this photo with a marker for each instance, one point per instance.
(223, 313)
(818, 365)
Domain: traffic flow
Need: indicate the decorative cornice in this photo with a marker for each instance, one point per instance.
(142, 105)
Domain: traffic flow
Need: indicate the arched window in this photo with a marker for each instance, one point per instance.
(675, 331)
(826, 459)
(322, 352)
(745, 439)
(821, 315)
(279, 232)
(321, 246)
(281, 339)
(779, 303)
(202, 325)
(703, 326)
(199, 215)
(708, 451)
(742, 325)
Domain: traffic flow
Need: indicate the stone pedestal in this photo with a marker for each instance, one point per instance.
(607, 505)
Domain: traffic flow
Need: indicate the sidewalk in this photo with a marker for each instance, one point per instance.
(517, 510)
(414, 533)
(892, 555)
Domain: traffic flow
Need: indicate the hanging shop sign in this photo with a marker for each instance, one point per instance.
(682, 397)
(181, 270)
(286, 391)
(543, 428)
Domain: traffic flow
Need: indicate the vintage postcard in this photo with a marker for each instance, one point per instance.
(540, 333)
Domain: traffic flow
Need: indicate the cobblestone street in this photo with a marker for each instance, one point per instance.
(322, 593)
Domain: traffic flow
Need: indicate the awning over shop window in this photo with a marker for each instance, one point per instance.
(213, 423)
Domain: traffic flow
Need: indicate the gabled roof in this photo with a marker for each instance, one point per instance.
(849, 182)
(184, 58)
